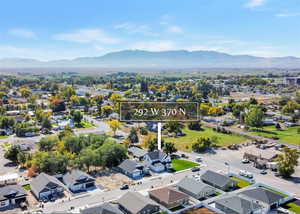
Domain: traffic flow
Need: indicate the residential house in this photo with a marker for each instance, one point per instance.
(196, 189)
(267, 198)
(136, 203)
(218, 180)
(158, 161)
(106, 208)
(45, 186)
(168, 197)
(137, 152)
(237, 205)
(11, 195)
(132, 169)
(77, 180)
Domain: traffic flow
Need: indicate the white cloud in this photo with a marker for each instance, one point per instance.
(255, 3)
(87, 36)
(282, 15)
(174, 29)
(158, 45)
(135, 28)
(23, 33)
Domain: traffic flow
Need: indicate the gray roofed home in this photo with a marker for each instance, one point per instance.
(11, 195)
(136, 203)
(137, 152)
(46, 186)
(77, 180)
(218, 180)
(196, 189)
(158, 161)
(237, 205)
(106, 208)
(132, 169)
(267, 198)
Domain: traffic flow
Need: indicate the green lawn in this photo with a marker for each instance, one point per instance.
(3, 137)
(85, 125)
(241, 182)
(288, 135)
(27, 187)
(179, 164)
(185, 143)
(292, 207)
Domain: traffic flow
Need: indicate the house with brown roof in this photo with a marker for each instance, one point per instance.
(168, 197)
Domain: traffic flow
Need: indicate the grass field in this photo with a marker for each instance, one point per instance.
(241, 182)
(179, 164)
(27, 187)
(185, 143)
(288, 135)
(292, 207)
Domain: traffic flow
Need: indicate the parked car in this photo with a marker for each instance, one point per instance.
(124, 187)
(263, 172)
(184, 156)
(196, 169)
(245, 161)
(199, 160)
(246, 174)
(276, 174)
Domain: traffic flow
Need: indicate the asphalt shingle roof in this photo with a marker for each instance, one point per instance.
(76, 176)
(14, 190)
(238, 204)
(193, 186)
(43, 181)
(168, 195)
(215, 178)
(263, 195)
(135, 202)
(106, 208)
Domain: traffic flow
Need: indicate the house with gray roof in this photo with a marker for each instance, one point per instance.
(132, 169)
(237, 205)
(137, 152)
(218, 180)
(196, 189)
(77, 180)
(45, 186)
(11, 195)
(136, 203)
(158, 161)
(267, 198)
(106, 208)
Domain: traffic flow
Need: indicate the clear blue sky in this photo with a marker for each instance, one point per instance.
(57, 29)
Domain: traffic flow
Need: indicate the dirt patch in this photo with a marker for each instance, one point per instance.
(111, 179)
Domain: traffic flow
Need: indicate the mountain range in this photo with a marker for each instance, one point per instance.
(162, 59)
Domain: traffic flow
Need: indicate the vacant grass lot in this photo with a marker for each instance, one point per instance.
(241, 182)
(185, 143)
(288, 135)
(85, 125)
(179, 164)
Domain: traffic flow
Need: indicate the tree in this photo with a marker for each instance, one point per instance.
(87, 158)
(77, 116)
(106, 110)
(133, 136)
(57, 104)
(114, 125)
(112, 154)
(46, 123)
(174, 126)
(22, 158)
(48, 143)
(196, 125)
(12, 153)
(25, 92)
(253, 101)
(202, 144)
(255, 117)
(287, 161)
(169, 148)
(66, 132)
